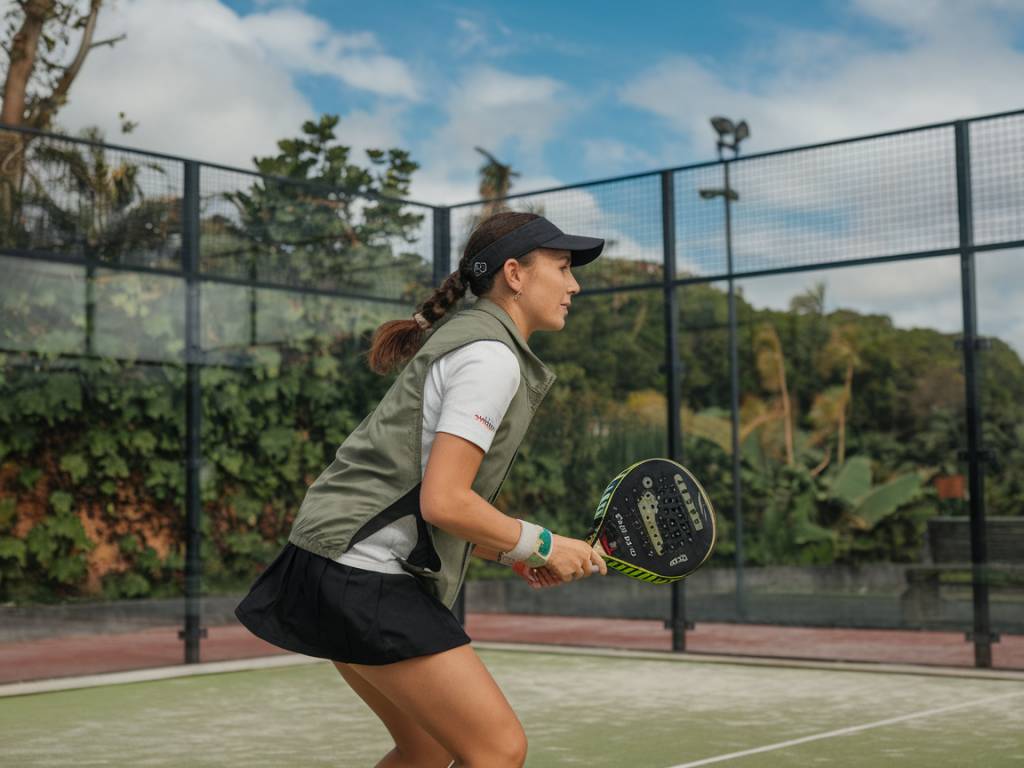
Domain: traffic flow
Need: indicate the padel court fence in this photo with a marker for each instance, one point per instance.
(829, 336)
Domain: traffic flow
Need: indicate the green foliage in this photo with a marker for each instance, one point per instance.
(102, 436)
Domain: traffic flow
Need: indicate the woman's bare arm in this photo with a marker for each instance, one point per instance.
(448, 501)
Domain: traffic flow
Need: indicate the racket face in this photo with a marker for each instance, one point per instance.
(655, 522)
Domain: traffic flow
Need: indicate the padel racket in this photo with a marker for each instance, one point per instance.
(654, 522)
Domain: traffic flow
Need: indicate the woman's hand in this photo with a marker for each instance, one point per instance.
(537, 578)
(572, 559)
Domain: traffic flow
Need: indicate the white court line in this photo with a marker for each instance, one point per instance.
(154, 673)
(844, 731)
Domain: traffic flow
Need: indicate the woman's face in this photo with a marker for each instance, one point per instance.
(548, 291)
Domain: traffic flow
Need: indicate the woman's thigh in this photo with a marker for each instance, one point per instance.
(414, 744)
(453, 697)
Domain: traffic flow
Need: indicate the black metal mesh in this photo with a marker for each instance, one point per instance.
(700, 224)
(280, 350)
(297, 235)
(877, 197)
(997, 179)
(87, 201)
(626, 213)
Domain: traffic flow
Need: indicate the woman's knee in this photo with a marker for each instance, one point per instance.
(505, 748)
(421, 755)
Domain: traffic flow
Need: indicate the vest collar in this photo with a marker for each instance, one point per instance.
(543, 376)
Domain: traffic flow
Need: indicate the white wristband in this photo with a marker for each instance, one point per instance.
(528, 534)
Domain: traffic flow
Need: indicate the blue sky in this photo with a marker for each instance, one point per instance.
(564, 91)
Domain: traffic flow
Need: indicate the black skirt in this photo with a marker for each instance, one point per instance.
(316, 606)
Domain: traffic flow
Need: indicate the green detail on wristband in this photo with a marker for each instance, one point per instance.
(545, 543)
(541, 550)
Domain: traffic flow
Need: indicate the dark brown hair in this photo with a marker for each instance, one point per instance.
(395, 341)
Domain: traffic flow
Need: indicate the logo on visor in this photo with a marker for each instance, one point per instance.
(479, 267)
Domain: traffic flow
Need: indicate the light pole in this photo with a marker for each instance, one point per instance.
(725, 127)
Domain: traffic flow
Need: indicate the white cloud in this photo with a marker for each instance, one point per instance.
(607, 156)
(802, 87)
(470, 36)
(304, 43)
(491, 107)
(501, 112)
(915, 294)
(204, 82)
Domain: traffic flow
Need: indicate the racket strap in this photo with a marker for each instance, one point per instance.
(533, 547)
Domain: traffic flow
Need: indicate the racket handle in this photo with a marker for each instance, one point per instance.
(601, 551)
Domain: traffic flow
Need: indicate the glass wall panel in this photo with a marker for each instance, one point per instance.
(606, 410)
(1000, 295)
(285, 382)
(43, 307)
(91, 436)
(853, 415)
(706, 418)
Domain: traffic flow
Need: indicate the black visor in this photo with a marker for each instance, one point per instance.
(536, 233)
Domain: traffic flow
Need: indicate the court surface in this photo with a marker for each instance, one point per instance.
(579, 709)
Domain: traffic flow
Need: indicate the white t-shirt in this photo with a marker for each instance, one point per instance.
(466, 393)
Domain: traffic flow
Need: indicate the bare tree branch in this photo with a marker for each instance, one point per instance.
(45, 114)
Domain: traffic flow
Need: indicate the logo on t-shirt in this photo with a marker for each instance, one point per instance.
(485, 421)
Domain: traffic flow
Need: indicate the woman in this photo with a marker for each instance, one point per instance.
(380, 546)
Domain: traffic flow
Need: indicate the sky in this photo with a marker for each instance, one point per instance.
(564, 92)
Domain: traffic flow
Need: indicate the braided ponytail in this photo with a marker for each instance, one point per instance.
(395, 341)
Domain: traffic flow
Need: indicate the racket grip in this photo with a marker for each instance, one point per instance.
(601, 551)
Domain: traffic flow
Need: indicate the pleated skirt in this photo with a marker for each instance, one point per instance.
(310, 604)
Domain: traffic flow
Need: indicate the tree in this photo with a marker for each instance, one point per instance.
(338, 224)
(37, 85)
(841, 353)
(771, 365)
(495, 184)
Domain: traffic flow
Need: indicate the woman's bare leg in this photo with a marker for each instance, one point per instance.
(414, 747)
(454, 699)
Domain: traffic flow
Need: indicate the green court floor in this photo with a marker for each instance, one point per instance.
(654, 714)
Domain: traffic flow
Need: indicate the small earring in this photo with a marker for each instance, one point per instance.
(516, 297)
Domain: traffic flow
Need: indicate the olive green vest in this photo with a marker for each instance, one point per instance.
(375, 477)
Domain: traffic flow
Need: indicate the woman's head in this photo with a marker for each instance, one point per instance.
(520, 261)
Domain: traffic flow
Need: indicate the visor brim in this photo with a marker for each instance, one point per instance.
(584, 249)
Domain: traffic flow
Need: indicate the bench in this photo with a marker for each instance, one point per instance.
(949, 542)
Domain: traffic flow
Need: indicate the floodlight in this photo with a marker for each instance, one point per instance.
(722, 125)
(742, 131)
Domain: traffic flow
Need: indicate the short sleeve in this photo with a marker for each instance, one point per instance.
(479, 381)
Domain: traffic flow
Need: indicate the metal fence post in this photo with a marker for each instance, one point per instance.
(677, 622)
(734, 404)
(442, 268)
(193, 409)
(442, 243)
(975, 453)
